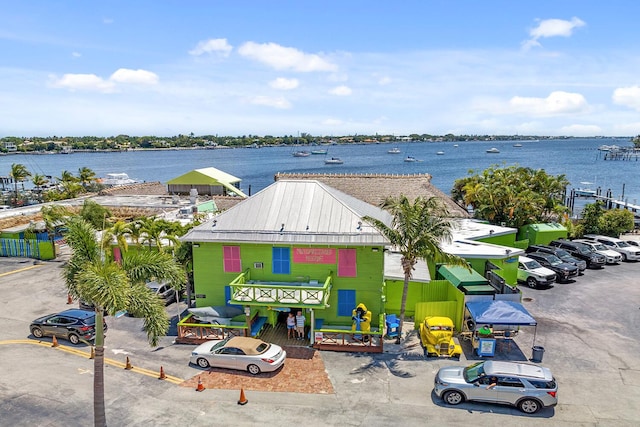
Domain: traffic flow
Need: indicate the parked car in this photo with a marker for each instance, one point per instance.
(584, 252)
(73, 325)
(562, 254)
(164, 291)
(635, 243)
(564, 271)
(628, 252)
(533, 274)
(527, 386)
(610, 255)
(242, 353)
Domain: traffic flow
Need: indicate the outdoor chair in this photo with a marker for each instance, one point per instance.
(392, 325)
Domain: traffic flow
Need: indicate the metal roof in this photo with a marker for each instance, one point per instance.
(295, 212)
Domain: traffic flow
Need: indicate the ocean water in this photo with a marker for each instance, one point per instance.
(578, 159)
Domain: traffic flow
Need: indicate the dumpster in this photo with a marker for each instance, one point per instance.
(536, 356)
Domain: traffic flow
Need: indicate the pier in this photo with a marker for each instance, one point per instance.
(609, 202)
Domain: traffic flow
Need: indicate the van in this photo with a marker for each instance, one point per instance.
(628, 252)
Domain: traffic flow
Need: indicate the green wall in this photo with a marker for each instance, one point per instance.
(210, 279)
(502, 239)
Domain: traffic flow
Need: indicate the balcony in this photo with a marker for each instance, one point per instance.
(302, 293)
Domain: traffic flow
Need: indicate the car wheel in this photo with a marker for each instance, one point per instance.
(529, 406)
(624, 257)
(532, 283)
(37, 332)
(253, 369)
(73, 339)
(453, 397)
(202, 362)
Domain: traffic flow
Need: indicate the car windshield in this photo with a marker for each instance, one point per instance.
(532, 264)
(562, 253)
(219, 344)
(554, 260)
(622, 244)
(473, 372)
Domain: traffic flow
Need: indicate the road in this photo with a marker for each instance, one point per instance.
(590, 330)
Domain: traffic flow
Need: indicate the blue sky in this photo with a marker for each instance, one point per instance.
(166, 67)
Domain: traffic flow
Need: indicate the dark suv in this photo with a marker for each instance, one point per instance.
(564, 270)
(73, 325)
(581, 251)
(562, 254)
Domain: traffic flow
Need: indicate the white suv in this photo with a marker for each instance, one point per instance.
(628, 252)
(533, 274)
(613, 257)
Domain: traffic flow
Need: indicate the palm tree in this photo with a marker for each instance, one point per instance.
(417, 230)
(118, 231)
(86, 176)
(39, 181)
(112, 287)
(18, 173)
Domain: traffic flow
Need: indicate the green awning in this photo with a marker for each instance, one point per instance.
(460, 276)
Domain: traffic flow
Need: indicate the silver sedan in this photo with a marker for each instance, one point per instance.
(242, 353)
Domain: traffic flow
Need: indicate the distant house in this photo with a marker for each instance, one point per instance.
(207, 181)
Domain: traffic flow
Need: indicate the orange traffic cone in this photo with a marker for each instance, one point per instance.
(162, 375)
(92, 355)
(54, 342)
(243, 400)
(69, 299)
(128, 365)
(200, 386)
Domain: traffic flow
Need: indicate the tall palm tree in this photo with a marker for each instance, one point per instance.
(417, 230)
(18, 173)
(112, 287)
(118, 231)
(39, 181)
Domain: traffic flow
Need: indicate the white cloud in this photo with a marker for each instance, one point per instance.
(285, 58)
(76, 54)
(556, 103)
(341, 91)
(581, 130)
(383, 81)
(219, 46)
(277, 102)
(125, 75)
(284, 84)
(627, 96)
(552, 28)
(87, 82)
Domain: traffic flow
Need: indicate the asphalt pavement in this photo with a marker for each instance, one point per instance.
(589, 329)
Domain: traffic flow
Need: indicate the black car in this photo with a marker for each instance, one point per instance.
(581, 251)
(73, 324)
(564, 270)
(560, 253)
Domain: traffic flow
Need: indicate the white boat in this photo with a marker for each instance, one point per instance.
(493, 150)
(455, 145)
(334, 161)
(411, 159)
(585, 191)
(301, 154)
(215, 314)
(115, 179)
(319, 151)
(517, 145)
(440, 153)
(394, 150)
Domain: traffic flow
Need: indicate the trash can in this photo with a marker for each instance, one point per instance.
(536, 356)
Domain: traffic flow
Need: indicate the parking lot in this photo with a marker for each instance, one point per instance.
(589, 329)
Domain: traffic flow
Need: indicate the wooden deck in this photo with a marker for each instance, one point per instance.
(278, 335)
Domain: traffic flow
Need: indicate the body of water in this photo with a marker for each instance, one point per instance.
(578, 159)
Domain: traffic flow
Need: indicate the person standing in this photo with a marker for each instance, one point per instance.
(300, 319)
(291, 326)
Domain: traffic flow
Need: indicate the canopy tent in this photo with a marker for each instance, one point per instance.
(500, 313)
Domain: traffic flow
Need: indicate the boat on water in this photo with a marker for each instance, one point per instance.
(319, 151)
(394, 150)
(411, 159)
(301, 154)
(585, 190)
(116, 179)
(493, 150)
(440, 153)
(517, 145)
(334, 161)
(456, 145)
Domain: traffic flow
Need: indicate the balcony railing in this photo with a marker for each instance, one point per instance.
(295, 293)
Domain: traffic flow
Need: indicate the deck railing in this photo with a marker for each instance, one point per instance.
(245, 291)
(338, 338)
(192, 332)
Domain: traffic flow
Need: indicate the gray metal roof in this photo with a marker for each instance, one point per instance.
(295, 212)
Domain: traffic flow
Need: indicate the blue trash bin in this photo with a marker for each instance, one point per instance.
(536, 356)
